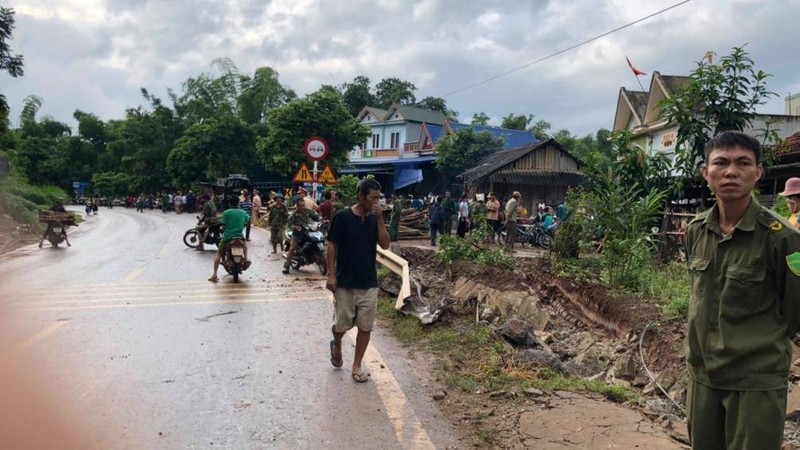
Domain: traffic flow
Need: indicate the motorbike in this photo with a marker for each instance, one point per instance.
(57, 233)
(532, 233)
(310, 247)
(233, 259)
(192, 236)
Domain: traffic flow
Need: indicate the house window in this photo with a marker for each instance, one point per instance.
(395, 137)
(376, 141)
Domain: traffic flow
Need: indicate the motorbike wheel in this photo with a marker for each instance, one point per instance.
(191, 238)
(322, 264)
(295, 264)
(235, 273)
(545, 241)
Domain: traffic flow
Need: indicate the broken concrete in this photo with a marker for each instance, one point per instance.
(519, 304)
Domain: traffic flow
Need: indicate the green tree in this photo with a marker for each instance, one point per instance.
(514, 122)
(394, 90)
(261, 94)
(212, 149)
(437, 104)
(720, 97)
(480, 119)
(358, 94)
(461, 150)
(322, 113)
(11, 63)
(540, 129)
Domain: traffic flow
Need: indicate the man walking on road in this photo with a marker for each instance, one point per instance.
(744, 262)
(278, 216)
(352, 276)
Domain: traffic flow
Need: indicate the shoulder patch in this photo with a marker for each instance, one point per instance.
(776, 226)
(793, 263)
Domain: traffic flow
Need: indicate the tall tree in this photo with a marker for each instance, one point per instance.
(394, 90)
(358, 94)
(322, 113)
(261, 94)
(11, 63)
(720, 97)
(480, 119)
(461, 150)
(438, 104)
(514, 122)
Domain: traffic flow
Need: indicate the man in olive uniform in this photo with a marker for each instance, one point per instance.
(394, 220)
(278, 216)
(744, 262)
(450, 209)
(299, 217)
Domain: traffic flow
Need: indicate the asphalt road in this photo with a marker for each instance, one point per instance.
(120, 341)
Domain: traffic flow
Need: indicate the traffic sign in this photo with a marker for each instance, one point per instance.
(303, 175)
(316, 148)
(327, 176)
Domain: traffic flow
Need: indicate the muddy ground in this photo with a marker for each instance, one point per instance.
(579, 313)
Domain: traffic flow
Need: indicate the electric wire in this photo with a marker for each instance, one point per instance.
(622, 27)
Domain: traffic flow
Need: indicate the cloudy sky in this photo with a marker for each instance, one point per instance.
(95, 55)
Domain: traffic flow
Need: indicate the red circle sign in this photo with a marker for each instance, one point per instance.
(316, 148)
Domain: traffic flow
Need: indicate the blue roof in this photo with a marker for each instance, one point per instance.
(435, 131)
(514, 138)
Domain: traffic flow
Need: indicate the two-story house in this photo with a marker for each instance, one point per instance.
(400, 150)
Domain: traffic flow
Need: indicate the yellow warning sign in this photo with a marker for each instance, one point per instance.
(303, 175)
(327, 176)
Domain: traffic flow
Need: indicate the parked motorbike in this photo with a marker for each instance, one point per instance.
(233, 259)
(192, 236)
(310, 247)
(531, 234)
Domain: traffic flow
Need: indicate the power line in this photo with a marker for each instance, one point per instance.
(565, 50)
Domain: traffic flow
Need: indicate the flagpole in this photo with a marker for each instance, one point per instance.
(640, 83)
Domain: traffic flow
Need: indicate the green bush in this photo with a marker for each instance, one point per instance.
(471, 249)
(23, 201)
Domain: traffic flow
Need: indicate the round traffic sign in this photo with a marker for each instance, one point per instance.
(316, 148)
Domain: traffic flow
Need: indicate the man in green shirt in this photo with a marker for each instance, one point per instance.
(744, 262)
(511, 220)
(234, 220)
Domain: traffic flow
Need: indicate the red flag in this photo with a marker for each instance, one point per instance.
(636, 71)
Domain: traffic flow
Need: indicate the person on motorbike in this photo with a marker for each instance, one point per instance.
(300, 217)
(234, 220)
(208, 220)
(57, 207)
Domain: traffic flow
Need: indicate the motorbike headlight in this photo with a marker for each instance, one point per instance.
(316, 235)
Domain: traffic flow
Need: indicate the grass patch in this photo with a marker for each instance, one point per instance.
(670, 285)
(23, 201)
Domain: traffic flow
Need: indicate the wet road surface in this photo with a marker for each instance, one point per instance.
(129, 343)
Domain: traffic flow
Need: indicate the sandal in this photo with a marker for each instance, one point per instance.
(360, 377)
(214, 279)
(335, 362)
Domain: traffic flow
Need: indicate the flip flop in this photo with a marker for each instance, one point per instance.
(360, 377)
(214, 279)
(334, 361)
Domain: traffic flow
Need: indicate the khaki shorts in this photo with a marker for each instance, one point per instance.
(354, 308)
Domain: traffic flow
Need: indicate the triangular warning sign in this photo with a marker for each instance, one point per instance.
(303, 175)
(327, 176)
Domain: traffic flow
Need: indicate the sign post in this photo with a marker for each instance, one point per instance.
(316, 149)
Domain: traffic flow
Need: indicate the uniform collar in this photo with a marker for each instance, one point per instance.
(746, 223)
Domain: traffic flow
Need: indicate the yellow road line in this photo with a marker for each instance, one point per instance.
(54, 300)
(132, 276)
(407, 427)
(147, 305)
(27, 343)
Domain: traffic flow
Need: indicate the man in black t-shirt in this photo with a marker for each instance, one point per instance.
(352, 276)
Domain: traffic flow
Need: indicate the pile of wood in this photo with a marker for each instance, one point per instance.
(413, 223)
(66, 218)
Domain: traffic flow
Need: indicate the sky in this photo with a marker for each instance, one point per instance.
(96, 55)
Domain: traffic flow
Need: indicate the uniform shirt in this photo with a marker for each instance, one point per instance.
(356, 248)
(278, 215)
(234, 221)
(745, 300)
(511, 210)
(209, 210)
(302, 217)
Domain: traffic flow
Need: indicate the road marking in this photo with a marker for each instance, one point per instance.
(147, 305)
(27, 343)
(133, 275)
(407, 427)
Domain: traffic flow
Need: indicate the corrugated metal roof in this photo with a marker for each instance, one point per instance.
(513, 138)
(414, 114)
(497, 160)
(537, 177)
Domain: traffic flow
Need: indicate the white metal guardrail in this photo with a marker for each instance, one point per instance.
(398, 265)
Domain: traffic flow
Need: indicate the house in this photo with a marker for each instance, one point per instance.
(400, 151)
(640, 113)
(542, 172)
